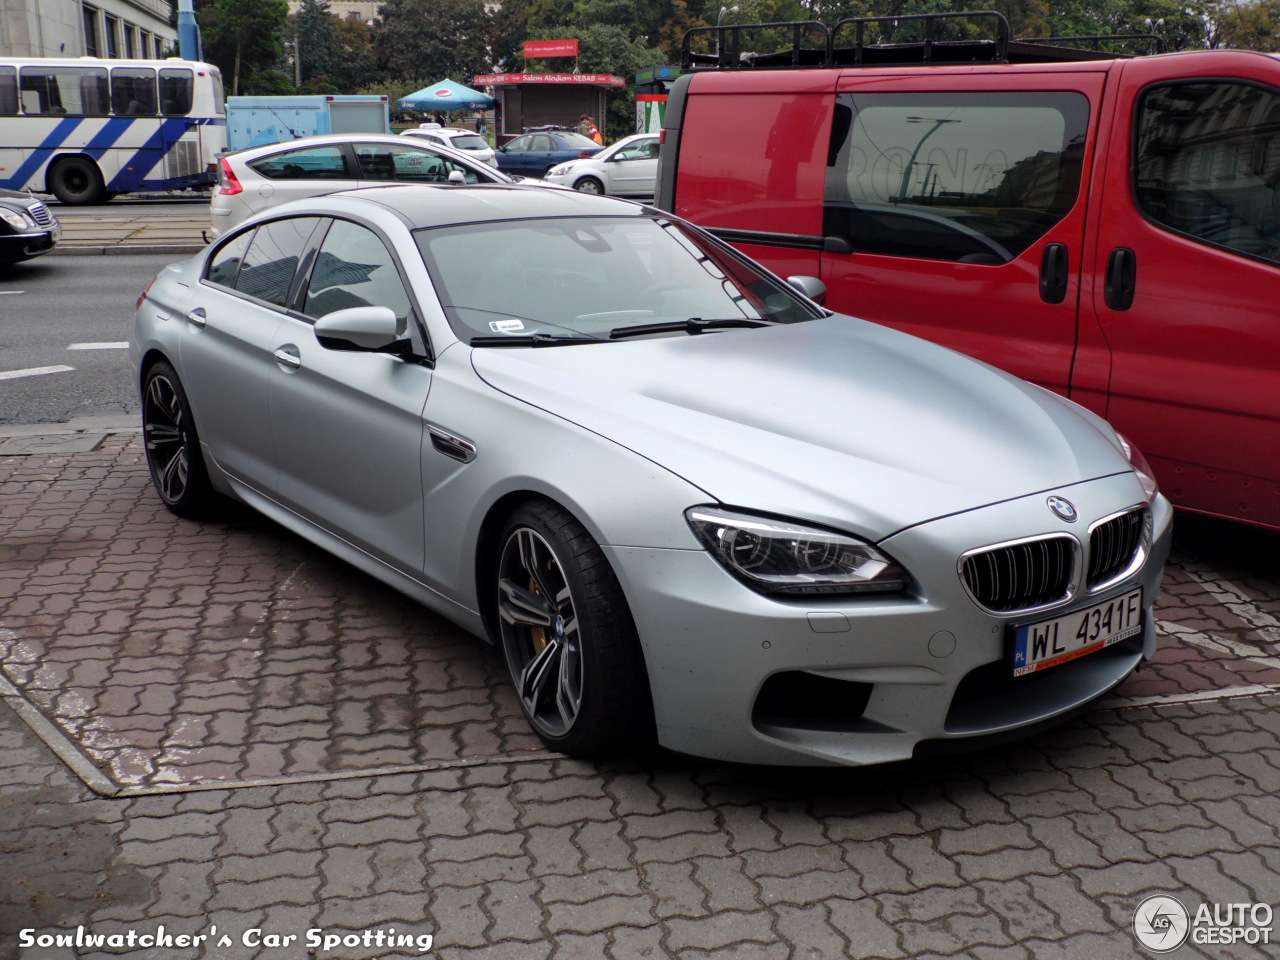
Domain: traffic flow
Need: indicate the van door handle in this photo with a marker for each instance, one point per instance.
(1054, 265)
(196, 317)
(1121, 279)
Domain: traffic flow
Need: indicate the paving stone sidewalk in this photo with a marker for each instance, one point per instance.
(278, 744)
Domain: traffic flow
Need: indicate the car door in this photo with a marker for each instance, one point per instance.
(963, 211)
(513, 158)
(300, 173)
(1185, 276)
(231, 327)
(348, 423)
(633, 169)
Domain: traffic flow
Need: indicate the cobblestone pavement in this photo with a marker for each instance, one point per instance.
(251, 735)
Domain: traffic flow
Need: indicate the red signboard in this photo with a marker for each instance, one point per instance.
(550, 48)
(596, 79)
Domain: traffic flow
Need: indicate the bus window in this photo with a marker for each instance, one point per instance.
(78, 91)
(133, 91)
(175, 92)
(8, 92)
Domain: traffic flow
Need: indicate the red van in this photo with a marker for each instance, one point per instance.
(1106, 227)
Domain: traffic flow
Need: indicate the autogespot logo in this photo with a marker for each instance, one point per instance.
(1161, 923)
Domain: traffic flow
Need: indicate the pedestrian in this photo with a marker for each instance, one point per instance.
(593, 132)
(584, 126)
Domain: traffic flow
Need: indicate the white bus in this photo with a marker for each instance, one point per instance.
(86, 129)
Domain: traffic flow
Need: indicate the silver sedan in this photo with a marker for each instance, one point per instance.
(686, 502)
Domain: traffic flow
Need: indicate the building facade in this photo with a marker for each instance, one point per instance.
(117, 29)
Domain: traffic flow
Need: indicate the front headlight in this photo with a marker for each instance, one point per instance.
(559, 171)
(15, 219)
(784, 556)
(1140, 466)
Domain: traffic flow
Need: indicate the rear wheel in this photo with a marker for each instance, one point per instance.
(568, 637)
(589, 185)
(76, 181)
(173, 447)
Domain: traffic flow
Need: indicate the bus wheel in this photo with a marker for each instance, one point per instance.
(76, 181)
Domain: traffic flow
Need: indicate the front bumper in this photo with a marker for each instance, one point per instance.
(920, 671)
(31, 243)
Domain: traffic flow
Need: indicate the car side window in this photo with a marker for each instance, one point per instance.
(354, 269)
(543, 143)
(637, 151)
(224, 265)
(272, 258)
(407, 164)
(973, 177)
(309, 163)
(520, 143)
(1208, 163)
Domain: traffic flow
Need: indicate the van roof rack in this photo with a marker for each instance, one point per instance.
(929, 38)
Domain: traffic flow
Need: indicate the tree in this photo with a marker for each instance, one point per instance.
(354, 63)
(315, 46)
(243, 37)
(434, 38)
(1250, 26)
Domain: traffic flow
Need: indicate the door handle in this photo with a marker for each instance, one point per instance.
(197, 317)
(1053, 273)
(1121, 279)
(287, 356)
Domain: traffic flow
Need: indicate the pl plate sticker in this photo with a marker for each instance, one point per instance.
(506, 326)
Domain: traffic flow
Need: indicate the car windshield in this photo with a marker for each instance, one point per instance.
(470, 141)
(586, 277)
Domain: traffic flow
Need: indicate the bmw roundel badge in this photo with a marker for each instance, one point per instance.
(1063, 509)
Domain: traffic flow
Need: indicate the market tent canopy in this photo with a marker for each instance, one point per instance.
(446, 95)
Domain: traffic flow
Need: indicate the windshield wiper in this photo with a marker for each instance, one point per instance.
(531, 340)
(692, 325)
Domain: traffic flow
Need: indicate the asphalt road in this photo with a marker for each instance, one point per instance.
(69, 312)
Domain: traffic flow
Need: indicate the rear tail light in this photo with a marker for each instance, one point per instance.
(584, 154)
(227, 182)
(142, 296)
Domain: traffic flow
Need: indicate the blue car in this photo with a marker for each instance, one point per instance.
(533, 154)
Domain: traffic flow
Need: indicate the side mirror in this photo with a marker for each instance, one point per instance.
(457, 176)
(811, 287)
(365, 328)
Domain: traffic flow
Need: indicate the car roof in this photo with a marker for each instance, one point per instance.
(321, 140)
(425, 206)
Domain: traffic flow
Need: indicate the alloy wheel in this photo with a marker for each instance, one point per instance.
(540, 632)
(168, 446)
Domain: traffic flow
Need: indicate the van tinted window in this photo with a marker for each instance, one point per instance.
(973, 177)
(1209, 163)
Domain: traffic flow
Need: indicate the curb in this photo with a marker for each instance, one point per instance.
(99, 250)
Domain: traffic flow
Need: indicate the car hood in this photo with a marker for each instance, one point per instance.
(838, 421)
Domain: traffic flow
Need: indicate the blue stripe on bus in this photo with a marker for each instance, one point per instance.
(148, 155)
(40, 155)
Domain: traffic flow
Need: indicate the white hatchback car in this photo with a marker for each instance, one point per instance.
(468, 141)
(625, 169)
(261, 177)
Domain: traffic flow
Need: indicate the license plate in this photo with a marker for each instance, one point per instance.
(1038, 646)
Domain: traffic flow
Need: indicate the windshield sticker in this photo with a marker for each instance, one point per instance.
(506, 326)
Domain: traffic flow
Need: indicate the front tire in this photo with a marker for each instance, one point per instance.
(76, 181)
(590, 185)
(568, 637)
(177, 466)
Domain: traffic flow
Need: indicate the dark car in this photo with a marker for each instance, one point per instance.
(533, 154)
(27, 228)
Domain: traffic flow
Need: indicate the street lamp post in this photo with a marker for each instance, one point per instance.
(906, 172)
(723, 11)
